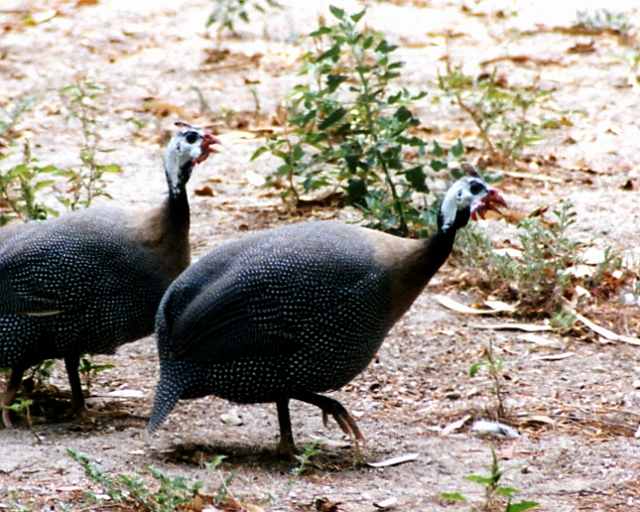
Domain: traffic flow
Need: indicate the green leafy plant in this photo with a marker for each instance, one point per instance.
(348, 130)
(493, 365)
(227, 13)
(86, 182)
(131, 490)
(497, 497)
(501, 113)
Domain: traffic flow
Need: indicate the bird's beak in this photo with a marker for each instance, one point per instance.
(491, 201)
(208, 140)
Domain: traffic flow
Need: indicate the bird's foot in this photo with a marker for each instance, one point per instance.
(346, 423)
(286, 449)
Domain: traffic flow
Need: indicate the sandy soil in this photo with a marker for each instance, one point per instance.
(577, 403)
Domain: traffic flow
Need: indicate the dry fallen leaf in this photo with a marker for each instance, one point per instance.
(496, 306)
(387, 504)
(394, 461)
(514, 326)
(456, 425)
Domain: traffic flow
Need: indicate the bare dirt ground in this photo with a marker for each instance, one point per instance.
(579, 454)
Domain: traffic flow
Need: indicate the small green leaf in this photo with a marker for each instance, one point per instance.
(437, 165)
(337, 12)
(320, 32)
(458, 149)
(453, 496)
(437, 149)
(332, 118)
(417, 178)
(403, 114)
(334, 81)
(521, 506)
(507, 491)
(111, 168)
(479, 479)
(258, 152)
(358, 16)
(474, 369)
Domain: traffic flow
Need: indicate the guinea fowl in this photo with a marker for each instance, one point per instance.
(91, 280)
(292, 312)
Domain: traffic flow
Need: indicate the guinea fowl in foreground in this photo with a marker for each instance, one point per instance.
(91, 280)
(295, 311)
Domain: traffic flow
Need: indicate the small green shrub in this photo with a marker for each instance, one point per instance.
(537, 279)
(501, 113)
(497, 497)
(347, 129)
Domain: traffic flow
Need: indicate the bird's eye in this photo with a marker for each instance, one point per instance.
(476, 187)
(191, 137)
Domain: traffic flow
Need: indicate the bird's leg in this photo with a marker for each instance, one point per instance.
(72, 363)
(286, 446)
(331, 407)
(9, 395)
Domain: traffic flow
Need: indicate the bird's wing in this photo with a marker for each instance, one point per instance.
(221, 325)
(43, 270)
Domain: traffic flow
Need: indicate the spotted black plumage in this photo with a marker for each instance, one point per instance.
(89, 281)
(292, 312)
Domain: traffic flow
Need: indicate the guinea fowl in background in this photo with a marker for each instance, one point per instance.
(91, 280)
(292, 312)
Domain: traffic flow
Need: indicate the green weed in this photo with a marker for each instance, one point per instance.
(493, 365)
(131, 490)
(86, 182)
(309, 451)
(497, 497)
(90, 370)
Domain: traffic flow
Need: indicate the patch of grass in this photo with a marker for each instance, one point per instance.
(501, 112)
(497, 497)
(349, 130)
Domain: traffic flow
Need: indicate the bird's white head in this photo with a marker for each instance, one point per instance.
(469, 197)
(188, 147)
